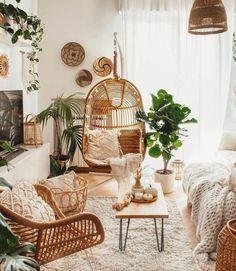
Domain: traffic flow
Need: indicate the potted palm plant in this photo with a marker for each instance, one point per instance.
(68, 134)
(165, 119)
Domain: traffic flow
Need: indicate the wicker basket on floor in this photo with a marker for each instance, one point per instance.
(70, 201)
(226, 248)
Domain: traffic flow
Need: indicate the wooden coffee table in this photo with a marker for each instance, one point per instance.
(155, 210)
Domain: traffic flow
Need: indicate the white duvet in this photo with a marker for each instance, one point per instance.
(209, 189)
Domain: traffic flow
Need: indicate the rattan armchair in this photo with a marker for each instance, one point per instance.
(54, 240)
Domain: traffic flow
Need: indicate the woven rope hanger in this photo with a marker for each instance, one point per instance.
(115, 73)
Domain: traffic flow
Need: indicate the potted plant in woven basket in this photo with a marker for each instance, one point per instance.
(68, 134)
(165, 119)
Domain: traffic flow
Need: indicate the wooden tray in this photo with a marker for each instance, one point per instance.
(144, 201)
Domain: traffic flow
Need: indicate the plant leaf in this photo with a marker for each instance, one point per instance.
(18, 263)
(155, 151)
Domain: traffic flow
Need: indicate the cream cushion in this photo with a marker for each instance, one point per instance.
(24, 200)
(62, 188)
(102, 145)
(228, 141)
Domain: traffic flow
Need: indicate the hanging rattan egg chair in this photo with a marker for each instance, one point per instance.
(112, 104)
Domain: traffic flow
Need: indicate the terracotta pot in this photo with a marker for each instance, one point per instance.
(166, 180)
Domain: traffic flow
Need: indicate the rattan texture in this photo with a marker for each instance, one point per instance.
(226, 248)
(72, 201)
(207, 17)
(54, 240)
(112, 104)
(32, 131)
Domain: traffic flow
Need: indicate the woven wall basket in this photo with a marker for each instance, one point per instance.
(32, 131)
(226, 248)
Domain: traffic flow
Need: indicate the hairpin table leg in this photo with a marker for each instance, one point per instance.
(120, 237)
(127, 231)
(160, 246)
(162, 234)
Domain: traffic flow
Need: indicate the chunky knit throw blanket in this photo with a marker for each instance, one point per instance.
(210, 188)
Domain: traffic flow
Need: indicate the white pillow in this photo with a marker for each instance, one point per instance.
(62, 188)
(228, 141)
(102, 144)
(231, 181)
(23, 199)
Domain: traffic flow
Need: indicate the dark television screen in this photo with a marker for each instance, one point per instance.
(11, 116)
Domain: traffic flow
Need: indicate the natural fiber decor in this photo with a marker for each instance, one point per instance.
(57, 239)
(207, 17)
(112, 105)
(226, 248)
(32, 131)
(70, 201)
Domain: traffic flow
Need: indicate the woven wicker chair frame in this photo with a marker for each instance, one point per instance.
(112, 104)
(54, 240)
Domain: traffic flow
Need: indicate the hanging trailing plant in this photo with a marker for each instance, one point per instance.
(21, 25)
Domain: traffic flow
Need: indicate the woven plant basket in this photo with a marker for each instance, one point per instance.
(32, 131)
(226, 248)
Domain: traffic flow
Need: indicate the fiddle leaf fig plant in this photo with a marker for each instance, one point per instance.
(19, 24)
(165, 119)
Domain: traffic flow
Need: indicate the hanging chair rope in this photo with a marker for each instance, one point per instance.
(115, 74)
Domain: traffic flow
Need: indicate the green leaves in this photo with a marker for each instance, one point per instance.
(155, 151)
(12, 255)
(65, 112)
(5, 145)
(55, 168)
(7, 239)
(15, 260)
(165, 119)
(72, 138)
(177, 144)
(3, 182)
(25, 27)
(16, 36)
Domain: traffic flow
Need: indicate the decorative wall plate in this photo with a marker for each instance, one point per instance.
(4, 66)
(72, 54)
(103, 66)
(84, 78)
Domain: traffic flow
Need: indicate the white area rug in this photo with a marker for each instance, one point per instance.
(141, 251)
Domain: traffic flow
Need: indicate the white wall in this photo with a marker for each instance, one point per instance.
(14, 80)
(90, 23)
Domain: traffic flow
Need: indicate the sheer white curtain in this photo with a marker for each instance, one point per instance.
(160, 53)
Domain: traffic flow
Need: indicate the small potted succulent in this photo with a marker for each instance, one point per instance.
(165, 119)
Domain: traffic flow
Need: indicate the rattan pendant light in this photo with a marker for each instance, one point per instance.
(207, 17)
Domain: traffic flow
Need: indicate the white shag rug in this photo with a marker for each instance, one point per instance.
(141, 252)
